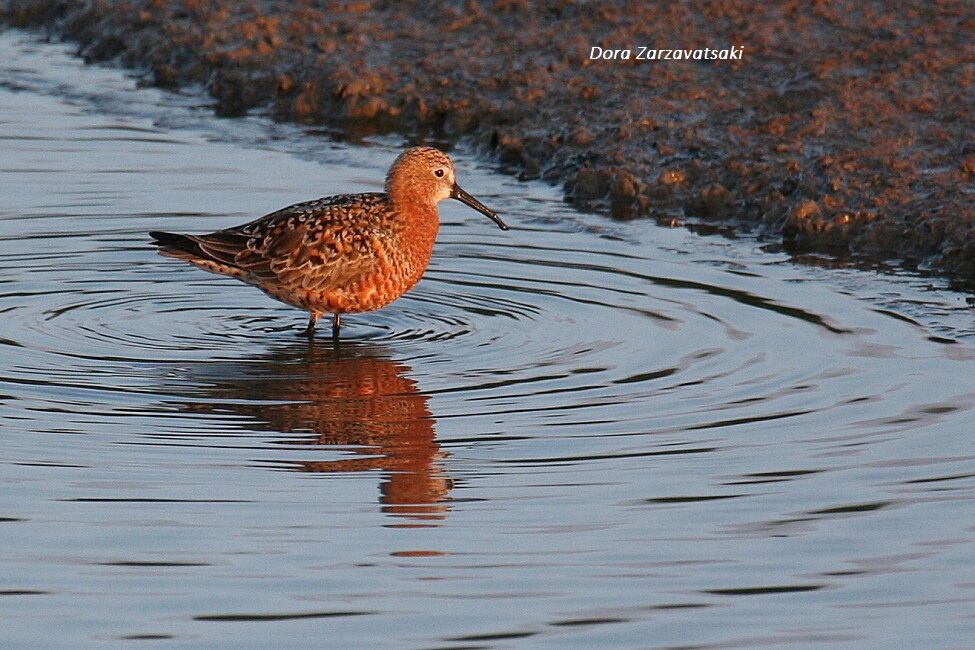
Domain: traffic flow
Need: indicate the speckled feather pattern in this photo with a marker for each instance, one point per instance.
(338, 254)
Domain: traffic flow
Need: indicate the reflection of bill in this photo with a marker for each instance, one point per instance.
(351, 396)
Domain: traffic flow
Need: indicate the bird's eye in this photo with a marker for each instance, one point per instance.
(438, 173)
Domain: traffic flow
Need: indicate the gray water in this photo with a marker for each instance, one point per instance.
(577, 433)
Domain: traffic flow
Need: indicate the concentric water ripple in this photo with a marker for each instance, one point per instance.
(574, 432)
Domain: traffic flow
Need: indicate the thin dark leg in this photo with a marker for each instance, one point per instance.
(336, 325)
(310, 331)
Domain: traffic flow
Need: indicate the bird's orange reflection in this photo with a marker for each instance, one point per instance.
(351, 396)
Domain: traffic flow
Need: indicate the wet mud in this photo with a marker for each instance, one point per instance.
(844, 127)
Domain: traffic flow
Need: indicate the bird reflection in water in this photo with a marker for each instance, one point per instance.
(347, 396)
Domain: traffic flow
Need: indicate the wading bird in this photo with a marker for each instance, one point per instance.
(339, 254)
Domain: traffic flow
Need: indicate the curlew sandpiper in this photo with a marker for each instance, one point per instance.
(340, 254)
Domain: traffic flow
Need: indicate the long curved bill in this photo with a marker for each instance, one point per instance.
(467, 199)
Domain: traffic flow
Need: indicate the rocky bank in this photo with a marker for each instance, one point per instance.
(845, 127)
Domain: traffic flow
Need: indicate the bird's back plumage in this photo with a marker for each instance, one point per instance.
(335, 254)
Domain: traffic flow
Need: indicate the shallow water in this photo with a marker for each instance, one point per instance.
(575, 433)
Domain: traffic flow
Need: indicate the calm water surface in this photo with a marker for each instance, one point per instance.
(578, 433)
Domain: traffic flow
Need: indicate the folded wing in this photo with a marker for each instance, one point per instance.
(311, 246)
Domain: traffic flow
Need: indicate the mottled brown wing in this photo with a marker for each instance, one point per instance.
(315, 245)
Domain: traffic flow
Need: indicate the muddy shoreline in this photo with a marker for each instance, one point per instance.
(843, 129)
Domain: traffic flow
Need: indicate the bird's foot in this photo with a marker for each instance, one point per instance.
(310, 330)
(336, 326)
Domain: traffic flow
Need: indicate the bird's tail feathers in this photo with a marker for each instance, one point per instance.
(188, 248)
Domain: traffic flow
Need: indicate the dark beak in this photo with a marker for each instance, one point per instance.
(469, 200)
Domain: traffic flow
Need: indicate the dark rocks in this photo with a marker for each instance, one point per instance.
(714, 202)
(625, 192)
(588, 188)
